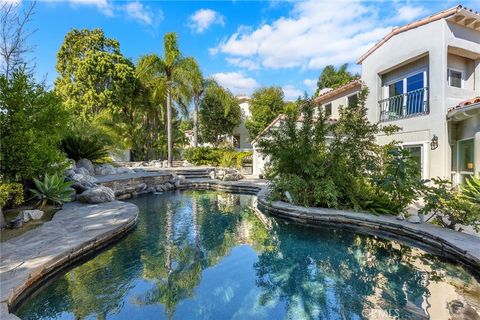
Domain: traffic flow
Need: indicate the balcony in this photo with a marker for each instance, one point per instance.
(406, 105)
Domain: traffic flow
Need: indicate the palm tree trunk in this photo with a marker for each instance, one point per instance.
(169, 126)
(195, 123)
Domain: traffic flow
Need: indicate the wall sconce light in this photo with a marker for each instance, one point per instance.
(434, 142)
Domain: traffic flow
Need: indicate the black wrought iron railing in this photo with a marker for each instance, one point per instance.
(410, 104)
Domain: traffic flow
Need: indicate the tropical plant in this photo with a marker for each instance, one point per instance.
(77, 147)
(173, 74)
(53, 188)
(332, 77)
(470, 191)
(265, 104)
(448, 207)
(219, 114)
(32, 123)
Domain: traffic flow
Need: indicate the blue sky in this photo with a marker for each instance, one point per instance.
(243, 44)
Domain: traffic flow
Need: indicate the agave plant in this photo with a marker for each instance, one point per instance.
(53, 188)
(470, 191)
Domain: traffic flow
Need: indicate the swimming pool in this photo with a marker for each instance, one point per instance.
(208, 255)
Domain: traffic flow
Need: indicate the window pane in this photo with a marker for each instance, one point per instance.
(416, 152)
(328, 109)
(415, 82)
(455, 79)
(395, 88)
(415, 98)
(352, 100)
(465, 152)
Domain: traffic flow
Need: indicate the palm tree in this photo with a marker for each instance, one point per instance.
(172, 76)
(178, 73)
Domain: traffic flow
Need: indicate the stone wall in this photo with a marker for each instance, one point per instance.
(133, 186)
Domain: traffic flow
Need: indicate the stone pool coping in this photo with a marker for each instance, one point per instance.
(74, 232)
(31, 258)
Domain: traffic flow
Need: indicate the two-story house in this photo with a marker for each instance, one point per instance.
(416, 74)
(425, 78)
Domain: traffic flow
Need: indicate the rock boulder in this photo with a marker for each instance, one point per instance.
(98, 194)
(87, 164)
(104, 169)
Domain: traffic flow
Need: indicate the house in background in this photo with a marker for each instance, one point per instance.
(425, 78)
(415, 75)
(240, 139)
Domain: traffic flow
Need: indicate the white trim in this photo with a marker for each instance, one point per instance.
(462, 78)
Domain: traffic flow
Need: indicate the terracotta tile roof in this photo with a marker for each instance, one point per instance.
(437, 16)
(465, 104)
(343, 88)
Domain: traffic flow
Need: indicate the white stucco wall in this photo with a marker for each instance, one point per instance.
(427, 47)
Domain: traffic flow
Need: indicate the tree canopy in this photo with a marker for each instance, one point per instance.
(93, 73)
(332, 77)
(266, 103)
(219, 113)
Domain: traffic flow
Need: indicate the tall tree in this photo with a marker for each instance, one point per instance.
(13, 35)
(219, 113)
(198, 86)
(178, 73)
(265, 104)
(93, 74)
(332, 77)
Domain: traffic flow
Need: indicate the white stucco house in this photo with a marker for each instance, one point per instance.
(425, 78)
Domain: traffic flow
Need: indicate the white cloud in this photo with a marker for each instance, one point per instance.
(314, 34)
(103, 5)
(408, 13)
(244, 63)
(310, 84)
(202, 19)
(291, 93)
(237, 82)
(138, 12)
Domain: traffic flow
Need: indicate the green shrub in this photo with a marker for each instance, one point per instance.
(53, 188)
(203, 156)
(222, 157)
(32, 123)
(233, 159)
(334, 173)
(77, 147)
(11, 194)
(450, 208)
(399, 179)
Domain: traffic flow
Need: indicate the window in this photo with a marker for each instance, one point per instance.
(406, 96)
(327, 109)
(465, 155)
(352, 100)
(416, 151)
(455, 78)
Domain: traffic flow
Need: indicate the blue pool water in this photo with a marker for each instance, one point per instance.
(208, 255)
